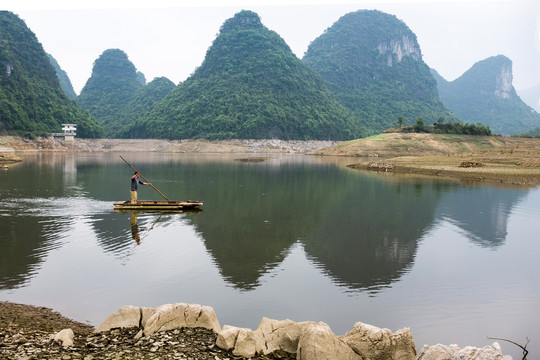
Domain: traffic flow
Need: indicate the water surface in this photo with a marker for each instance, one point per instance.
(291, 237)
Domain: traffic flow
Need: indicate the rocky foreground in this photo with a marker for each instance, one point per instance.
(189, 331)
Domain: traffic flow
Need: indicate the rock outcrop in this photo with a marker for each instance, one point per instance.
(285, 338)
(177, 316)
(126, 317)
(453, 352)
(162, 318)
(318, 342)
(311, 340)
(381, 344)
(64, 337)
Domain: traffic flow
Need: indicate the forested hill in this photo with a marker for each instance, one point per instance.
(143, 101)
(484, 94)
(372, 62)
(250, 85)
(63, 78)
(113, 85)
(31, 99)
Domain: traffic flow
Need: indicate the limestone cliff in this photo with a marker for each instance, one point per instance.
(373, 64)
(485, 94)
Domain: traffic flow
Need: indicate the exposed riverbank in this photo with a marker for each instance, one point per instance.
(12, 144)
(473, 158)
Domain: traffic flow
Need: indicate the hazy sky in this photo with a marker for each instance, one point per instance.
(170, 38)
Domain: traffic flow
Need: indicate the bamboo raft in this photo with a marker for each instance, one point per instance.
(145, 205)
(157, 205)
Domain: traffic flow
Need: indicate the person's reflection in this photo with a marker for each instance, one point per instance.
(135, 227)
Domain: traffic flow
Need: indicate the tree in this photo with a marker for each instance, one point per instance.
(420, 125)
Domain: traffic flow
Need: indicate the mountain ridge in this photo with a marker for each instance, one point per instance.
(250, 85)
(485, 94)
(372, 62)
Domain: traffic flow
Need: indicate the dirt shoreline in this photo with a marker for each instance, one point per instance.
(491, 159)
(13, 145)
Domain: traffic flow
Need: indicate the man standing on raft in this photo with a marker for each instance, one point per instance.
(135, 181)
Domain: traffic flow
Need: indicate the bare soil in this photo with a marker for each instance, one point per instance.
(498, 159)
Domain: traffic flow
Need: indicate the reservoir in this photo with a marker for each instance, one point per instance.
(286, 237)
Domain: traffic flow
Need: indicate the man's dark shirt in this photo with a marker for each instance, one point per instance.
(134, 184)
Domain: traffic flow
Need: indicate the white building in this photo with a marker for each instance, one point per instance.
(69, 129)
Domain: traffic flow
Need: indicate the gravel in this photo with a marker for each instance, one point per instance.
(27, 332)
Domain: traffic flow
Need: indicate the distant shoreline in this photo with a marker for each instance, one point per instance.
(12, 144)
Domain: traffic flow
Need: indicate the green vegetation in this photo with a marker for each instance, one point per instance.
(354, 81)
(484, 94)
(143, 101)
(32, 102)
(534, 133)
(250, 85)
(63, 78)
(372, 62)
(111, 88)
(441, 127)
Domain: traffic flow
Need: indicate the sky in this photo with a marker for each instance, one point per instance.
(170, 38)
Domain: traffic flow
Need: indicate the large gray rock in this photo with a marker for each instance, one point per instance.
(242, 341)
(64, 337)
(146, 314)
(226, 338)
(177, 316)
(453, 352)
(248, 343)
(318, 342)
(371, 342)
(271, 336)
(126, 317)
(280, 335)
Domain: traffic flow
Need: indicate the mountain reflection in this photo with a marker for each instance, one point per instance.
(368, 237)
(24, 241)
(29, 223)
(482, 212)
(360, 229)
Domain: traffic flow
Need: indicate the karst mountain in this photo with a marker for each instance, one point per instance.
(112, 86)
(32, 103)
(373, 64)
(63, 78)
(250, 85)
(485, 94)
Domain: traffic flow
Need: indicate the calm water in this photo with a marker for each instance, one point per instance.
(291, 237)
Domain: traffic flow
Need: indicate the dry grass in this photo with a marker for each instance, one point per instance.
(502, 160)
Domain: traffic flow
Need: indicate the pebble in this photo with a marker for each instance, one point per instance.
(187, 343)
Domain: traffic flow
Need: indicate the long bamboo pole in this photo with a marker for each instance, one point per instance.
(160, 193)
